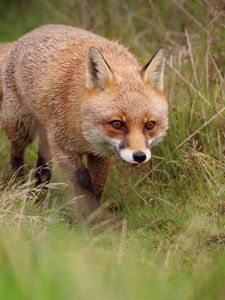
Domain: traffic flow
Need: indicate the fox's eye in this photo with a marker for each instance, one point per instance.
(119, 125)
(150, 125)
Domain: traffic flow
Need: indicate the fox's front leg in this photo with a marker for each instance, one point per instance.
(88, 182)
(85, 199)
(98, 168)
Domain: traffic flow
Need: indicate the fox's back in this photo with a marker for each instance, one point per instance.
(56, 55)
(48, 66)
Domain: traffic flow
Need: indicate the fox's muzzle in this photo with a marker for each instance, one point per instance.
(134, 158)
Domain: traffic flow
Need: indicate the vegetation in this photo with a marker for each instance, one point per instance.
(167, 237)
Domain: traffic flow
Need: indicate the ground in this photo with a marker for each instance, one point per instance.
(168, 242)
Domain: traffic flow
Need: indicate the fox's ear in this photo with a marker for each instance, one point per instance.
(153, 71)
(98, 72)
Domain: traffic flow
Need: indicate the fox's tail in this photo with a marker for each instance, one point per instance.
(4, 50)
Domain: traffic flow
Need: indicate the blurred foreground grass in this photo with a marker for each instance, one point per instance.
(170, 244)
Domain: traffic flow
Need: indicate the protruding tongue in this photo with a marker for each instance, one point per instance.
(134, 164)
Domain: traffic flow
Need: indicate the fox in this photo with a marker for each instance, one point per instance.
(84, 96)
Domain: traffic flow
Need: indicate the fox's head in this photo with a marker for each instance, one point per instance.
(125, 110)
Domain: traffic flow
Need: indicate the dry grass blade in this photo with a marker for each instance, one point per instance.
(200, 128)
(188, 83)
(189, 15)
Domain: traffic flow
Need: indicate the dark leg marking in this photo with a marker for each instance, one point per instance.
(83, 178)
(43, 172)
(17, 164)
(98, 168)
(20, 138)
(17, 160)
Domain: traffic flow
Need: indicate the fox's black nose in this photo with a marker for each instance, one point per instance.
(139, 156)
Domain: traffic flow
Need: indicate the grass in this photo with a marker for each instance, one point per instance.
(170, 244)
